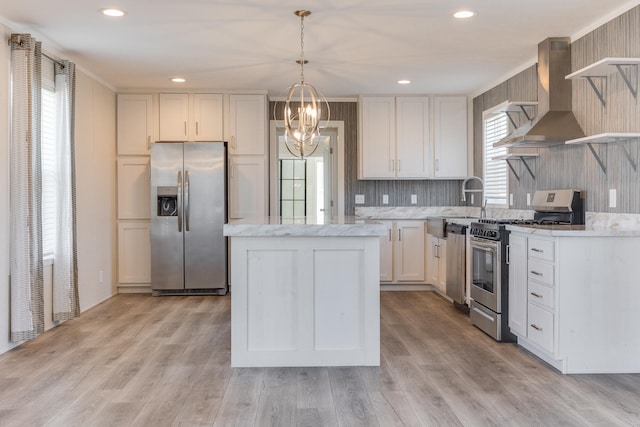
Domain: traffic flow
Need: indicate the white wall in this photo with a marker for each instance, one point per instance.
(95, 190)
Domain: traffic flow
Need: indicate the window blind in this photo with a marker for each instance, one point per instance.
(495, 171)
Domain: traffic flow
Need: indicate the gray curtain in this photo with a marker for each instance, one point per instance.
(65, 267)
(25, 246)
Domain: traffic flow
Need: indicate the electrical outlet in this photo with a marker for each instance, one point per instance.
(359, 199)
(510, 199)
(472, 199)
(414, 199)
(101, 276)
(385, 199)
(612, 198)
(528, 199)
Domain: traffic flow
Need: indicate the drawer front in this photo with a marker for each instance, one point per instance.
(540, 329)
(542, 249)
(540, 271)
(541, 294)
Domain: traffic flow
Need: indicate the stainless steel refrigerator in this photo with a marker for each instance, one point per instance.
(188, 211)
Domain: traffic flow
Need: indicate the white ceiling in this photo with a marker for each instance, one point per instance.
(354, 46)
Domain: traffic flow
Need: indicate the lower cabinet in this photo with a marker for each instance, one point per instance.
(518, 284)
(573, 299)
(437, 262)
(402, 252)
(134, 254)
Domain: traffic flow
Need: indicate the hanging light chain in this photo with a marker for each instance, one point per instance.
(302, 47)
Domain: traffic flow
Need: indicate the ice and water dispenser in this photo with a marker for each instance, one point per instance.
(167, 201)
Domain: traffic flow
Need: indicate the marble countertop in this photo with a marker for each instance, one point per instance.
(572, 231)
(343, 226)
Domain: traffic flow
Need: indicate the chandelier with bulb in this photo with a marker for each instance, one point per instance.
(303, 108)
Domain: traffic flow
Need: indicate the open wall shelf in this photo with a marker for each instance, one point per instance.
(527, 108)
(608, 138)
(515, 156)
(605, 67)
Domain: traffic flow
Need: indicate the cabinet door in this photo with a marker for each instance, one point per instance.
(248, 124)
(518, 284)
(134, 252)
(133, 188)
(436, 259)
(442, 265)
(174, 117)
(450, 136)
(409, 254)
(135, 124)
(413, 145)
(386, 254)
(247, 187)
(377, 142)
(207, 117)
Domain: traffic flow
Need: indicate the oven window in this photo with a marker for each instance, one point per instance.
(484, 265)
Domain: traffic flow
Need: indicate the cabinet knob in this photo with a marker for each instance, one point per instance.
(536, 327)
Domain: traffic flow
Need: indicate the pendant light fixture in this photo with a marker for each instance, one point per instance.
(303, 108)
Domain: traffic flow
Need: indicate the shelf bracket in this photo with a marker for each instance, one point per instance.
(598, 159)
(599, 93)
(526, 165)
(523, 110)
(629, 159)
(627, 80)
(515, 174)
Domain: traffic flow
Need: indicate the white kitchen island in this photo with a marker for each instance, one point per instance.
(305, 291)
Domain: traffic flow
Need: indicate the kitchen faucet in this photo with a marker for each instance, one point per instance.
(465, 190)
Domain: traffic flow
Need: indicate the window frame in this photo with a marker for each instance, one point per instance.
(495, 113)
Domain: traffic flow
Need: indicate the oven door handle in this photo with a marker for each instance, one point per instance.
(481, 313)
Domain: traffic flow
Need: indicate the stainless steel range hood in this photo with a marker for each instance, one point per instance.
(555, 122)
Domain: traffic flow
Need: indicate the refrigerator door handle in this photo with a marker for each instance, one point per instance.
(187, 200)
(179, 201)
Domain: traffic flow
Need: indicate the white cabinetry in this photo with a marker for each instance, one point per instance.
(133, 188)
(402, 252)
(437, 262)
(136, 130)
(248, 167)
(386, 254)
(134, 253)
(518, 299)
(577, 294)
(247, 124)
(247, 187)
(135, 124)
(191, 117)
(394, 138)
(450, 136)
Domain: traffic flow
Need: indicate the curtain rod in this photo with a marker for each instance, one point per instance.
(15, 38)
(57, 61)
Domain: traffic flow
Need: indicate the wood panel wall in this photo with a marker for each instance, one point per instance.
(575, 166)
(429, 192)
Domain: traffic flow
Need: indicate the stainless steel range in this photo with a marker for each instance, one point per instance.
(489, 257)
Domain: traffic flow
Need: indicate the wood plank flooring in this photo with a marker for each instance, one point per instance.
(138, 360)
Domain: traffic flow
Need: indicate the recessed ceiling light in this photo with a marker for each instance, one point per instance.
(112, 12)
(178, 80)
(463, 14)
(404, 82)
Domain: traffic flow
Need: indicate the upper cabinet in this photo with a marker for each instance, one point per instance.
(247, 124)
(135, 124)
(394, 138)
(450, 136)
(402, 138)
(191, 117)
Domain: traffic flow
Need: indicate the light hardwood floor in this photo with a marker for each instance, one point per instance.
(164, 361)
